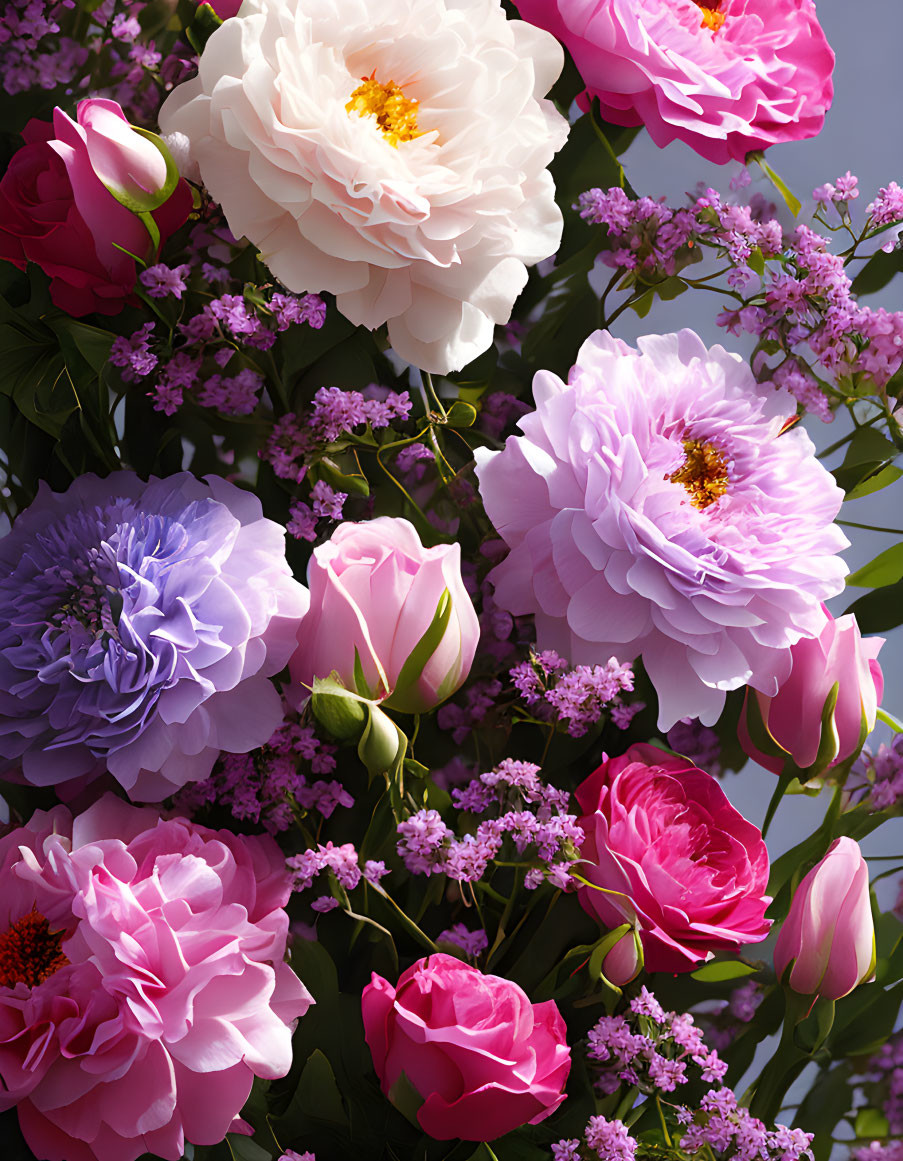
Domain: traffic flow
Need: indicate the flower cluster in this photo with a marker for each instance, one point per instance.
(651, 1049)
(578, 697)
(266, 786)
(884, 1076)
(722, 1127)
(877, 776)
(333, 413)
(528, 812)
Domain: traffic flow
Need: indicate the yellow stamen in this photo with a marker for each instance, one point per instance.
(703, 473)
(396, 114)
(711, 17)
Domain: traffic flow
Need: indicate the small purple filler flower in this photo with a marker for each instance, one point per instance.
(139, 624)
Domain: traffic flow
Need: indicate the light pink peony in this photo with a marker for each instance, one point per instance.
(655, 505)
(793, 717)
(673, 856)
(393, 154)
(142, 980)
(484, 1058)
(725, 76)
(375, 590)
(829, 935)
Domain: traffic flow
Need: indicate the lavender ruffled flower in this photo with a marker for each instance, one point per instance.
(139, 624)
(653, 507)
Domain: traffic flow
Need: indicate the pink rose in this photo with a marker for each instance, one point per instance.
(673, 856)
(793, 717)
(142, 980)
(56, 211)
(725, 77)
(828, 938)
(484, 1058)
(374, 592)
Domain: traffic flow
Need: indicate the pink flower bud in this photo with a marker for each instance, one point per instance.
(389, 611)
(624, 961)
(793, 717)
(130, 165)
(828, 939)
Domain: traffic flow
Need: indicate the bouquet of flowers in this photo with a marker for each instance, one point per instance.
(382, 634)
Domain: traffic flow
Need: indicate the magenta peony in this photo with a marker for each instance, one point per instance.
(139, 626)
(827, 940)
(375, 591)
(483, 1057)
(142, 982)
(793, 717)
(655, 505)
(393, 154)
(56, 211)
(672, 856)
(725, 76)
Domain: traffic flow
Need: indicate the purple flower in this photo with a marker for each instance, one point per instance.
(473, 943)
(162, 280)
(653, 507)
(139, 624)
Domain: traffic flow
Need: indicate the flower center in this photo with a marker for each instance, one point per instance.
(89, 605)
(711, 17)
(703, 472)
(396, 114)
(30, 952)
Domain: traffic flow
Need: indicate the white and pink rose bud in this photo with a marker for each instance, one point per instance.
(388, 615)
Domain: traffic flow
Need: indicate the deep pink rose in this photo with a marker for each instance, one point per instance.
(829, 935)
(725, 77)
(56, 211)
(673, 856)
(484, 1058)
(142, 980)
(374, 591)
(793, 717)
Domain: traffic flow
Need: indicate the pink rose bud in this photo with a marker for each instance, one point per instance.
(466, 1054)
(624, 961)
(132, 164)
(799, 720)
(388, 614)
(828, 939)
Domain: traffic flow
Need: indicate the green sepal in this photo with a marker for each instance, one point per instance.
(382, 745)
(341, 711)
(405, 686)
(406, 1099)
(202, 27)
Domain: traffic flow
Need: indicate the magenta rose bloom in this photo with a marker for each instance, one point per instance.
(139, 626)
(142, 980)
(725, 76)
(674, 858)
(375, 590)
(56, 211)
(483, 1057)
(793, 717)
(656, 505)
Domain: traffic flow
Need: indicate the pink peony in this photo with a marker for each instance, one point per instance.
(56, 211)
(793, 717)
(142, 980)
(484, 1058)
(655, 505)
(375, 591)
(725, 76)
(828, 938)
(672, 856)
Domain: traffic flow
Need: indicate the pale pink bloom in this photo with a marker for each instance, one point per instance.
(393, 154)
(829, 935)
(725, 77)
(132, 168)
(672, 857)
(484, 1058)
(143, 980)
(793, 717)
(375, 591)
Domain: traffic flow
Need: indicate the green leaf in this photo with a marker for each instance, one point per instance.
(792, 201)
(874, 483)
(877, 272)
(202, 27)
(643, 304)
(879, 610)
(351, 484)
(244, 1149)
(725, 969)
(406, 1098)
(885, 569)
(756, 261)
(461, 414)
(870, 1123)
(868, 445)
(341, 711)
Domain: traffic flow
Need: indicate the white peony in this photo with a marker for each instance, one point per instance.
(394, 154)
